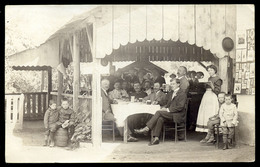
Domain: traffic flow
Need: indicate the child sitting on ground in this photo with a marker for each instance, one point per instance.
(51, 116)
(66, 118)
(228, 120)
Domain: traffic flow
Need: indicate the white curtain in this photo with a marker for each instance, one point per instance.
(138, 24)
(154, 22)
(121, 26)
(104, 34)
(186, 23)
(217, 29)
(171, 22)
(203, 26)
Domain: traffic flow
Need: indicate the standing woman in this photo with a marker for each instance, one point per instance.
(209, 105)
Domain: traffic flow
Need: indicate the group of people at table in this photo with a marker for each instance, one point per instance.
(215, 106)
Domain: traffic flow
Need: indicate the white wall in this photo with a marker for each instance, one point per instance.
(246, 103)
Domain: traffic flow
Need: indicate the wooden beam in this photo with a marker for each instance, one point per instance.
(96, 97)
(60, 88)
(76, 72)
(42, 82)
(49, 84)
(202, 64)
(90, 40)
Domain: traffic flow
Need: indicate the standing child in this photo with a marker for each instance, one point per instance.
(66, 118)
(228, 120)
(51, 116)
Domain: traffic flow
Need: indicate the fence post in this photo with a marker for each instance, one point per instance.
(15, 108)
(21, 109)
(8, 109)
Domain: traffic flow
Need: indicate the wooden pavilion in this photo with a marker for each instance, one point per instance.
(111, 33)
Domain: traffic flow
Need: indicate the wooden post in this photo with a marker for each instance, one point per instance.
(42, 83)
(96, 95)
(223, 73)
(76, 72)
(60, 88)
(49, 84)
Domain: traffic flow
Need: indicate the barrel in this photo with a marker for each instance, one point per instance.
(61, 137)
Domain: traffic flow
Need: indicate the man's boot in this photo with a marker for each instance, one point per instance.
(207, 137)
(46, 142)
(225, 142)
(52, 139)
(229, 145)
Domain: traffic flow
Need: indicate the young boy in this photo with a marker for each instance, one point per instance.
(228, 120)
(66, 118)
(51, 116)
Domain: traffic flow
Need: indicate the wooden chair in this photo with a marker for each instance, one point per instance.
(109, 126)
(177, 128)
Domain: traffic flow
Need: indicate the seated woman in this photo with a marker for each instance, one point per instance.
(117, 92)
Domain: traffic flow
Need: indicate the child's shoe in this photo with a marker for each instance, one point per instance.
(229, 145)
(45, 143)
(225, 146)
(52, 144)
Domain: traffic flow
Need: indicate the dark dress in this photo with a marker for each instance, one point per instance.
(217, 82)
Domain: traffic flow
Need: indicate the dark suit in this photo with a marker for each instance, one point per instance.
(176, 114)
(184, 84)
(106, 101)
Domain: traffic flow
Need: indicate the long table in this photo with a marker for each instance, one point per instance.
(124, 109)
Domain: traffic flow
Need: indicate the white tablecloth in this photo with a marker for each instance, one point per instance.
(124, 109)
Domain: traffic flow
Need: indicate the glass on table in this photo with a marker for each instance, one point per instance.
(149, 102)
(140, 99)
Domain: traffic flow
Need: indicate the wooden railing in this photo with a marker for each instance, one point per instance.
(84, 101)
(35, 105)
(14, 111)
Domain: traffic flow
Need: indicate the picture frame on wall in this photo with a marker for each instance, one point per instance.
(241, 40)
(250, 55)
(237, 67)
(252, 70)
(244, 85)
(238, 55)
(236, 79)
(240, 74)
(243, 55)
(237, 88)
(251, 39)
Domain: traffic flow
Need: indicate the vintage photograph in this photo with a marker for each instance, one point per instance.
(129, 83)
(241, 39)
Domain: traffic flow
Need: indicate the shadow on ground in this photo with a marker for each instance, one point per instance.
(168, 151)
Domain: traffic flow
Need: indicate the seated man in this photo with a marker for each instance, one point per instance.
(134, 121)
(138, 93)
(174, 111)
(117, 92)
(157, 96)
(147, 87)
(106, 101)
